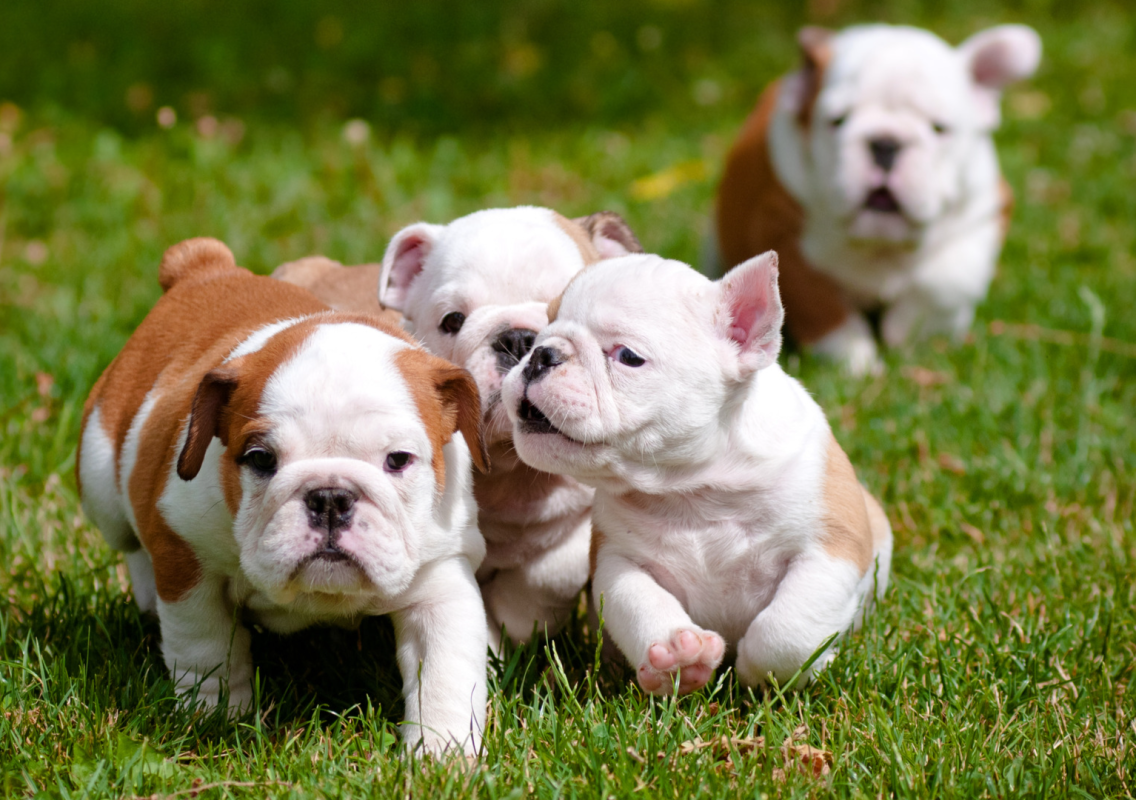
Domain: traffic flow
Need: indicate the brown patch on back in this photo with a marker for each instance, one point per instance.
(448, 401)
(598, 539)
(583, 241)
(755, 213)
(351, 289)
(848, 527)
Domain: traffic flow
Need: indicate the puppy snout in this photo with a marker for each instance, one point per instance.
(511, 346)
(884, 152)
(542, 361)
(330, 510)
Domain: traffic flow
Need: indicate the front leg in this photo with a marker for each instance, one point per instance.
(204, 646)
(917, 314)
(651, 627)
(818, 596)
(442, 655)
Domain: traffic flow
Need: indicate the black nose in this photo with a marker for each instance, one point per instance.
(330, 509)
(542, 360)
(511, 347)
(884, 151)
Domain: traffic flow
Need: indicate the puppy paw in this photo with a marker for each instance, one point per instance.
(693, 654)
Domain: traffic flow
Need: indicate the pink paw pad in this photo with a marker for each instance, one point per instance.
(692, 654)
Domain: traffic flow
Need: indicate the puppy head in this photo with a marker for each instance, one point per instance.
(337, 465)
(476, 291)
(893, 117)
(641, 366)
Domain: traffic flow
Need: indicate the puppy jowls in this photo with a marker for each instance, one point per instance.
(727, 517)
(260, 457)
(872, 172)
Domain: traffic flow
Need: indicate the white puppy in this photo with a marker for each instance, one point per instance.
(872, 172)
(727, 518)
(476, 291)
(261, 458)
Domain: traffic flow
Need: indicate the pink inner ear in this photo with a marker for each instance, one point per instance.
(749, 303)
(408, 260)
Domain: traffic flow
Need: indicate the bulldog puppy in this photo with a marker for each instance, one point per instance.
(476, 291)
(872, 172)
(261, 458)
(727, 518)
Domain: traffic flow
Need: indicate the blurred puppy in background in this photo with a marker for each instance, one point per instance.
(871, 170)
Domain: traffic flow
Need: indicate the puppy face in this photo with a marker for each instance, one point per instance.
(633, 375)
(894, 115)
(476, 291)
(333, 462)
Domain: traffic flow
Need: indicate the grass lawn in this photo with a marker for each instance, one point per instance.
(1001, 662)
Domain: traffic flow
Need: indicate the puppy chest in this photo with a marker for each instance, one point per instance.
(723, 581)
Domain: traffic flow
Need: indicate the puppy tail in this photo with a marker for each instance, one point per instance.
(194, 258)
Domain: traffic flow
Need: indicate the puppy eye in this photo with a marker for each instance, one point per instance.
(452, 322)
(260, 461)
(399, 460)
(836, 122)
(628, 357)
(939, 128)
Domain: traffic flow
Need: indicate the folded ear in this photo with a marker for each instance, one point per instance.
(750, 313)
(799, 91)
(610, 233)
(403, 260)
(462, 402)
(995, 58)
(212, 395)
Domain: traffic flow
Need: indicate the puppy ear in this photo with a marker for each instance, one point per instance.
(212, 395)
(461, 399)
(610, 233)
(995, 58)
(195, 258)
(800, 90)
(403, 260)
(750, 312)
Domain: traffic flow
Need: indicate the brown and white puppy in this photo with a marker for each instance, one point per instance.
(261, 458)
(872, 172)
(476, 291)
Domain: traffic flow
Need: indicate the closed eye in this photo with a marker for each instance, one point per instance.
(626, 356)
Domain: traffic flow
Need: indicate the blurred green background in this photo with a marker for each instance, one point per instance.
(1001, 661)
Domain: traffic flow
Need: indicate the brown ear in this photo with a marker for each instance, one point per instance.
(610, 233)
(816, 52)
(213, 393)
(461, 399)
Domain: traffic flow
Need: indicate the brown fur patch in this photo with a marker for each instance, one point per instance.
(598, 539)
(580, 238)
(848, 528)
(447, 401)
(352, 289)
(816, 53)
(755, 213)
(1006, 205)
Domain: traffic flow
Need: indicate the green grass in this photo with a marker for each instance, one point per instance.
(1000, 663)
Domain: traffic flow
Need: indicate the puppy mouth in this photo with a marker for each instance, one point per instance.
(328, 555)
(533, 419)
(882, 200)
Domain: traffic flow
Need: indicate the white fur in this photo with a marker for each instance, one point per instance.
(501, 268)
(709, 466)
(930, 265)
(334, 411)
